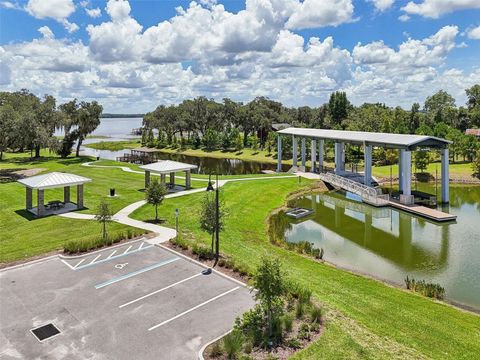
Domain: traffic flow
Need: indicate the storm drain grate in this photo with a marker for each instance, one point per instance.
(45, 332)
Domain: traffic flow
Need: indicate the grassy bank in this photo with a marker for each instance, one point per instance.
(114, 145)
(365, 318)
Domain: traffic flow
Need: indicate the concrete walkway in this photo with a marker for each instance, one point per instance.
(162, 233)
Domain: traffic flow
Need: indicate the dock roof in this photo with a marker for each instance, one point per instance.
(386, 140)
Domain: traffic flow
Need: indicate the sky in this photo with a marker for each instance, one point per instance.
(132, 56)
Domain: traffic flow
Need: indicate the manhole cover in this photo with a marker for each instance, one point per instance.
(45, 332)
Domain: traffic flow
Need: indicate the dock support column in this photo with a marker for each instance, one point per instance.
(147, 179)
(294, 153)
(279, 153)
(406, 197)
(339, 158)
(41, 202)
(445, 177)
(313, 155)
(368, 165)
(304, 154)
(321, 144)
(29, 197)
(400, 170)
(80, 196)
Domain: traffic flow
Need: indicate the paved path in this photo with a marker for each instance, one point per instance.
(162, 233)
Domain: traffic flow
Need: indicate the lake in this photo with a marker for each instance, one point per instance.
(118, 129)
(389, 244)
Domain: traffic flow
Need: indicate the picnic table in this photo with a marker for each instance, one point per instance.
(55, 204)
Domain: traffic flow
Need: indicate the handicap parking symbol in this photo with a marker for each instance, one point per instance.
(120, 266)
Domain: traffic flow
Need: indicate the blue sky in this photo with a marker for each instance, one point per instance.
(135, 55)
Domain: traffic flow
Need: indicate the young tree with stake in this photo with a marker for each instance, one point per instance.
(155, 193)
(104, 215)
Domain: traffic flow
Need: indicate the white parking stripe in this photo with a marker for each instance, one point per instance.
(159, 290)
(128, 249)
(193, 308)
(109, 256)
(66, 263)
(141, 245)
(81, 261)
(91, 262)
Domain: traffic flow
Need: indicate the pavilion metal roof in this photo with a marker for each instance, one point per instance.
(53, 180)
(167, 166)
(386, 140)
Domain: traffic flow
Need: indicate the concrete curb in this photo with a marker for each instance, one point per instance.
(202, 350)
(238, 282)
(13, 267)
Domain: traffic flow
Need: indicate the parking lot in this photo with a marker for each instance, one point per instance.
(135, 301)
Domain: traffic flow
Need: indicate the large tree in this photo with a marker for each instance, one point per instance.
(87, 121)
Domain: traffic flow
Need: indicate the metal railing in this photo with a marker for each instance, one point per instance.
(367, 193)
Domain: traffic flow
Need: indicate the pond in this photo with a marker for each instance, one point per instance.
(389, 244)
(118, 129)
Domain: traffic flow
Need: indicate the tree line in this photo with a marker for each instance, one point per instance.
(28, 123)
(203, 122)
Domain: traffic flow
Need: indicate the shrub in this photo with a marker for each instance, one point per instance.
(315, 327)
(202, 252)
(287, 322)
(316, 315)
(251, 324)
(304, 332)
(426, 289)
(180, 242)
(294, 344)
(304, 247)
(216, 349)
(232, 344)
(299, 310)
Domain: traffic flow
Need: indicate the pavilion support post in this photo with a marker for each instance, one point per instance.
(321, 145)
(368, 165)
(188, 177)
(406, 197)
(294, 154)
(29, 197)
(313, 155)
(172, 178)
(147, 178)
(163, 179)
(339, 158)
(445, 177)
(279, 153)
(304, 153)
(41, 202)
(80, 196)
(400, 171)
(66, 194)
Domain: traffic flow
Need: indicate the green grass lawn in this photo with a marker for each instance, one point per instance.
(456, 170)
(114, 145)
(365, 318)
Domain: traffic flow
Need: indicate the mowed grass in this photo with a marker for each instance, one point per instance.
(22, 236)
(114, 145)
(456, 170)
(365, 318)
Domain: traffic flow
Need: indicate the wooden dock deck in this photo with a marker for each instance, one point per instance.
(426, 212)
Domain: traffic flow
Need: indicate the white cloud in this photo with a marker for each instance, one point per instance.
(320, 13)
(58, 10)
(46, 32)
(94, 13)
(207, 50)
(404, 18)
(382, 5)
(436, 8)
(474, 33)
(10, 5)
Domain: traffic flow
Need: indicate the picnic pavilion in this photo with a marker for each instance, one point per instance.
(51, 181)
(164, 167)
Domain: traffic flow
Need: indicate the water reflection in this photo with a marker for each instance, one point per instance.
(390, 244)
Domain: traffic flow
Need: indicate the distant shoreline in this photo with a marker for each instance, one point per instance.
(123, 116)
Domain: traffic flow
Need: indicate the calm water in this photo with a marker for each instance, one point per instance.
(389, 244)
(120, 129)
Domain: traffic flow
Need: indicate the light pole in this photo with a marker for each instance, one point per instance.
(217, 218)
(176, 220)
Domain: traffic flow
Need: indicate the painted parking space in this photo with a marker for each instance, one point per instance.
(101, 256)
(148, 304)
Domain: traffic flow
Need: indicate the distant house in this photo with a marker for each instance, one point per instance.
(475, 132)
(280, 126)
